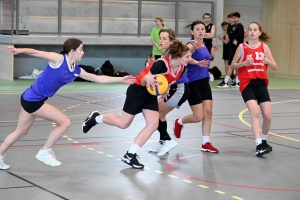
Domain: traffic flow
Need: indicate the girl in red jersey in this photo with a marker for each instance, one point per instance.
(252, 59)
(138, 99)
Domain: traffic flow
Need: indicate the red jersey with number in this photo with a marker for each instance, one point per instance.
(258, 70)
(169, 74)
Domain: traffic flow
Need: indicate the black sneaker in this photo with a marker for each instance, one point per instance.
(233, 76)
(264, 142)
(236, 85)
(222, 85)
(90, 121)
(130, 159)
(262, 149)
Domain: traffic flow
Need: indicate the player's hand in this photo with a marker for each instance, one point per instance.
(165, 95)
(204, 63)
(150, 79)
(149, 61)
(249, 61)
(234, 42)
(197, 44)
(128, 79)
(265, 60)
(214, 50)
(14, 50)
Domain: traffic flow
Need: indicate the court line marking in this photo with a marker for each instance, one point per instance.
(274, 134)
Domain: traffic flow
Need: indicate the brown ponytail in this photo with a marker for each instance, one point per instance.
(177, 49)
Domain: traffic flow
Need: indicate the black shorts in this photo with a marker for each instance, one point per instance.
(178, 94)
(138, 98)
(231, 55)
(225, 55)
(256, 90)
(31, 106)
(199, 91)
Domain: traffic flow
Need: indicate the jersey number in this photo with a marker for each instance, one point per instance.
(259, 55)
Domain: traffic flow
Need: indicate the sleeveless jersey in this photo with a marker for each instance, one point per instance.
(195, 72)
(257, 70)
(208, 30)
(51, 79)
(183, 78)
(169, 74)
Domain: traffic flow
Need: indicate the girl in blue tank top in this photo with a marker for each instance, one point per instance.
(60, 70)
(200, 98)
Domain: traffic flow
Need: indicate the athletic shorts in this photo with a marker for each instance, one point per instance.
(231, 55)
(199, 91)
(225, 55)
(178, 94)
(256, 90)
(138, 98)
(31, 106)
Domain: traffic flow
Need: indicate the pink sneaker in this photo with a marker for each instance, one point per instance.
(208, 147)
(177, 128)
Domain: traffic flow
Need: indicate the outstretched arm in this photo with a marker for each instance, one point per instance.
(106, 79)
(54, 58)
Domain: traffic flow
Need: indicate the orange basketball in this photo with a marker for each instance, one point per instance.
(160, 88)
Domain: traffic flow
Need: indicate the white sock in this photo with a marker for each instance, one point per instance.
(264, 136)
(134, 148)
(258, 141)
(226, 79)
(205, 139)
(180, 121)
(237, 79)
(99, 119)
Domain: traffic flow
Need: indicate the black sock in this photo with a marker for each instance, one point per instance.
(162, 128)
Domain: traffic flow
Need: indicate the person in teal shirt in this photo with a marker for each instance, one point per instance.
(156, 49)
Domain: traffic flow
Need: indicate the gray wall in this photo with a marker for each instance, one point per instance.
(128, 58)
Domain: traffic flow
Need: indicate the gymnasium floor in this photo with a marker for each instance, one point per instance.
(91, 167)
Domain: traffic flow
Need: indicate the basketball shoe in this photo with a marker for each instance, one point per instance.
(2, 164)
(177, 128)
(130, 159)
(261, 149)
(90, 121)
(208, 147)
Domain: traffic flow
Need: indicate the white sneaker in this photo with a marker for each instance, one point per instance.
(167, 146)
(2, 164)
(157, 146)
(47, 156)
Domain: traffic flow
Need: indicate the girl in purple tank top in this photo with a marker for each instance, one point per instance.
(60, 70)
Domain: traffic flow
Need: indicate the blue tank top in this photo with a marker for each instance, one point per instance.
(51, 80)
(183, 78)
(195, 72)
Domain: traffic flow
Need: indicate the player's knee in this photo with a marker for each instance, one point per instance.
(124, 125)
(267, 119)
(66, 123)
(22, 134)
(208, 113)
(198, 118)
(153, 126)
(255, 114)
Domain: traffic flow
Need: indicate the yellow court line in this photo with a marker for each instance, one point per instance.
(238, 198)
(203, 186)
(243, 121)
(220, 192)
(68, 116)
(187, 181)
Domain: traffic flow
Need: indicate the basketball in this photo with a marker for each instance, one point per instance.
(160, 88)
